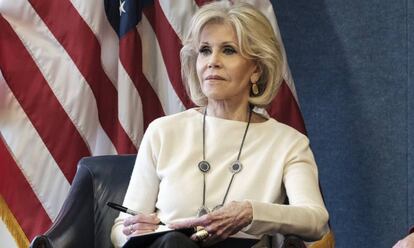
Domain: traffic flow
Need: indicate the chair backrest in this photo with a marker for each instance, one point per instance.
(111, 175)
(85, 220)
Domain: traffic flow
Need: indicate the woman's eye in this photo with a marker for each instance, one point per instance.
(229, 50)
(204, 50)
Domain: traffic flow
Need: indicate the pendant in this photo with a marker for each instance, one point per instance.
(203, 210)
(236, 167)
(204, 166)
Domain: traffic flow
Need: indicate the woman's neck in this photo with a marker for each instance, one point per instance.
(224, 110)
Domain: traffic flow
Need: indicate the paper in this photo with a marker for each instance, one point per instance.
(146, 239)
(161, 228)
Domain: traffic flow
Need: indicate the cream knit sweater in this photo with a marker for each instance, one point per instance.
(277, 161)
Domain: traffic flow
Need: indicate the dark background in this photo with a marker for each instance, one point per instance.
(352, 62)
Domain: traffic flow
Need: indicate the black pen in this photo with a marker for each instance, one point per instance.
(125, 209)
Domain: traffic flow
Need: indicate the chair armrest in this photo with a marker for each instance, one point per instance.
(41, 241)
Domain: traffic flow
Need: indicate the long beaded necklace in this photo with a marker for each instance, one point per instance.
(204, 166)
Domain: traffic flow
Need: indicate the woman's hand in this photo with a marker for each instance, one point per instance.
(222, 223)
(140, 223)
(407, 242)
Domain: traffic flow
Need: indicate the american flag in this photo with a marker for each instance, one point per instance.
(81, 78)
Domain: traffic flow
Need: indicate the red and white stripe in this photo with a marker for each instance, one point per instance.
(69, 88)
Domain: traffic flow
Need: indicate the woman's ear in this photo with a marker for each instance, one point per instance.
(254, 77)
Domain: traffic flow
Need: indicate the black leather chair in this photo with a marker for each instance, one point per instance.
(85, 220)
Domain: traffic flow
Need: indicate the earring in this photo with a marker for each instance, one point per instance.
(255, 89)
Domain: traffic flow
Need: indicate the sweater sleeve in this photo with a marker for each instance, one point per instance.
(306, 214)
(143, 186)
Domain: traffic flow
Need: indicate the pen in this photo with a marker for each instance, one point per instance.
(125, 209)
(121, 208)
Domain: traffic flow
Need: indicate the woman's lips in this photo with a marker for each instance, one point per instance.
(214, 77)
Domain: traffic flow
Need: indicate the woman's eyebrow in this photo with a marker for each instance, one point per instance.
(224, 43)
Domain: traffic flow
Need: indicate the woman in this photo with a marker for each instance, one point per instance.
(223, 162)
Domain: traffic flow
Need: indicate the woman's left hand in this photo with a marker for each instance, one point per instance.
(221, 223)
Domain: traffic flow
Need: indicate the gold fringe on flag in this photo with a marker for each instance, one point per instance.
(12, 225)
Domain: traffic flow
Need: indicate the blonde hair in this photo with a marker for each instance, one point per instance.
(257, 41)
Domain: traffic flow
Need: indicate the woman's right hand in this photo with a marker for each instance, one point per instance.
(140, 223)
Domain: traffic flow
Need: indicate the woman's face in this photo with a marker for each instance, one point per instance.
(223, 73)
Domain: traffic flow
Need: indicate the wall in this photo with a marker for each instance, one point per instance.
(352, 62)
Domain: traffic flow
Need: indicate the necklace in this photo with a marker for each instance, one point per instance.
(204, 166)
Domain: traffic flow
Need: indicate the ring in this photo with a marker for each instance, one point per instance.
(131, 230)
(202, 234)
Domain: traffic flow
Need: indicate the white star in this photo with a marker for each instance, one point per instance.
(121, 7)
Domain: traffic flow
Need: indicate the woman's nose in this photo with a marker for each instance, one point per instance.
(212, 65)
(214, 61)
